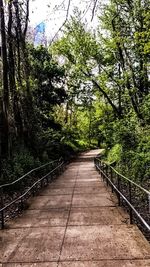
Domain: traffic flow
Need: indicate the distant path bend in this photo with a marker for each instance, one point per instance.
(74, 222)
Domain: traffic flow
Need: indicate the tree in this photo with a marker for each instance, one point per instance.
(115, 61)
(4, 103)
(83, 52)
(125, 21)
(32, 84)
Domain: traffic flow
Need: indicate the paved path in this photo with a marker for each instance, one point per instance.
(74, 222)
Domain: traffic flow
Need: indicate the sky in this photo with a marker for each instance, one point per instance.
(53, 13)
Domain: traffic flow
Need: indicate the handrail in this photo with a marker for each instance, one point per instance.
(127, 179)
(29, 189)
(57, 169)
(101, 166)
(26, 174)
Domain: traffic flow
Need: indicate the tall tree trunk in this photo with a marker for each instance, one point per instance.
(5, 91)
(28, 116)
(12, 75)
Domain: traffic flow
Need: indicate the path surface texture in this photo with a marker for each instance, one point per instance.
(74, 222)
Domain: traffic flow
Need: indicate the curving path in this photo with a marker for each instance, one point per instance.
(74, 222)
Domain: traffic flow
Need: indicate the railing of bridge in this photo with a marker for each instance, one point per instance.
(14, 195)
(131, 195)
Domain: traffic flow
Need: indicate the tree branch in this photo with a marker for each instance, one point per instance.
(94, 8)
(104, 93)
(66, 19)
(26, 18)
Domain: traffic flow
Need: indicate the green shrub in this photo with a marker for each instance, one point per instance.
(141, 162)
(18, 165)
(114, 154)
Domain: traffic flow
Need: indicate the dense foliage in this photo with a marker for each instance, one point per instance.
(87, 90)
(114, 63)
(32, 85)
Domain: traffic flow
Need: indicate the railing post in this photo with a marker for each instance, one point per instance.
(47, 179)
(33, 192)
(98, 166)
(22, 204)
(99, 162)
(95, 162)
(111, 177)
(118, 185)
(107, 172)
(130, 199)
(2, 212)
(103, 169)
(59, 170)
(41, 183)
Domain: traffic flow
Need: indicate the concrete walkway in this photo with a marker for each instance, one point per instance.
(74, 222)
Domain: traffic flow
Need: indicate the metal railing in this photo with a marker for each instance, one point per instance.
(14, 195)
(131, 195)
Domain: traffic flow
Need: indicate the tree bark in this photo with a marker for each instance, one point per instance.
(12, 77)
(5, 88)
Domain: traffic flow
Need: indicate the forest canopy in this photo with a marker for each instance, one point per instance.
(88, 88)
